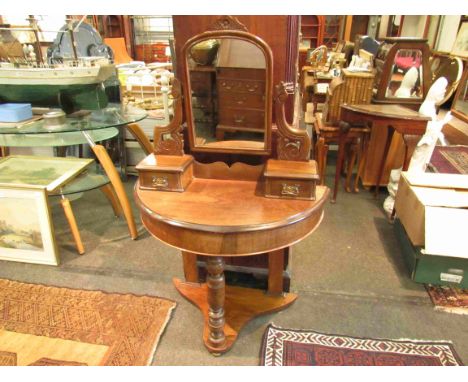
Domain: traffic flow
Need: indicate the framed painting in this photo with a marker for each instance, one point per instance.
(48, 172)
(26, 230)
(460, 47)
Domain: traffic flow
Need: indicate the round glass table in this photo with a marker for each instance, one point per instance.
(85, 127)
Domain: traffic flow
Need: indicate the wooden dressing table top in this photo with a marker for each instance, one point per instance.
(226, 206)
(387, 111)
(228, 217)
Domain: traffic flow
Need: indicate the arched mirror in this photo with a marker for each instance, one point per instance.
(449, 67)
(406, 75)
(228, 92)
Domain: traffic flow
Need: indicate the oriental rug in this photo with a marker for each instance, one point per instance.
(44, 325)
(449, 299)
(288, 347)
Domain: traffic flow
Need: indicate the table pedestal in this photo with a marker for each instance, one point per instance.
(227, 309)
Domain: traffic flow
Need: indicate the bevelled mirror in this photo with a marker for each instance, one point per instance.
(228, 92)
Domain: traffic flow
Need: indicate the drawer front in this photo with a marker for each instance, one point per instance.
(241, 118)
(163, 181)
(201, 88)
(241, 73)
(242, 100)
(240, 86)
(290, 188)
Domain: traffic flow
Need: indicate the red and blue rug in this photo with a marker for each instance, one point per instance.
(288, 347)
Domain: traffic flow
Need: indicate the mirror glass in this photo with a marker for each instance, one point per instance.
(406, 76)
(460, 103)
(449, 67)
(227, 78)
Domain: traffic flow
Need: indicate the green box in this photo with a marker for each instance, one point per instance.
(430, 269)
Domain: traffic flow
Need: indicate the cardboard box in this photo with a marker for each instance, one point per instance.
(433, 208)
(427, 269)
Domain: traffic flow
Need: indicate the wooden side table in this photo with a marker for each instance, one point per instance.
(229, 217)
(409, 123)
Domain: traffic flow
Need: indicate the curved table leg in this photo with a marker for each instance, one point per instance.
(344, 129)
(390, 133)
(108, 191)
(114, 177)
(73, 225)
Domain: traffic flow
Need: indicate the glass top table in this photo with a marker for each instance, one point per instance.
(97, 125)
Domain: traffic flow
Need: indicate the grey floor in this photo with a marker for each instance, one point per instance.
(349, 275)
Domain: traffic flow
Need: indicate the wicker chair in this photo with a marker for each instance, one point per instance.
(350, 88)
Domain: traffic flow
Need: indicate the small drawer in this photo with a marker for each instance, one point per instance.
(242, 100)
(290, 188)
(240, 86)
(241, 118)
(159, 181)
(241, 73)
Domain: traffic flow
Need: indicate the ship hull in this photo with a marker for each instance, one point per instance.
(68, 97)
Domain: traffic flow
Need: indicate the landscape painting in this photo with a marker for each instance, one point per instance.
(26, 230)
(40, 171)
(19, 226)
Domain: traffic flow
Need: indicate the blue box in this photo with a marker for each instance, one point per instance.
(15, 112)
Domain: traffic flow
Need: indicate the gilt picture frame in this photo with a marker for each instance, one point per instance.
(48, 172)
(460, 46)
(26, 229)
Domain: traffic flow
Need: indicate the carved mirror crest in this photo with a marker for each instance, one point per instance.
(228, 90)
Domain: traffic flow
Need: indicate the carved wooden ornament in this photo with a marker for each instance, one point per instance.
(228, 23)
(168, 139)
(293, 144)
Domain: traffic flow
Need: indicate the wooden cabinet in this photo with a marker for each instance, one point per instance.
(311, 36)
(151, 52)
(241, 99)
(202, 82)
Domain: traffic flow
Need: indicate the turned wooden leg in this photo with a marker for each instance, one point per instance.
(72, 223)
(344, 129)
(216, 295)
(110, 195)
(119, 189)
(349, 171)
(362, 160)
(190, 266)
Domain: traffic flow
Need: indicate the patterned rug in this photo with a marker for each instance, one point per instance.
(287, 347)
(42, 325)
(448, 299)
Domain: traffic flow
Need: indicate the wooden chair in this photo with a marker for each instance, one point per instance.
(350, 88)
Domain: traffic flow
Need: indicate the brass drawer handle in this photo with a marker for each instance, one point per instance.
(239, 119)
(290, 189)
(162, 181)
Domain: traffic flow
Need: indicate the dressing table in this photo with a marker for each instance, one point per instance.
(216, 210)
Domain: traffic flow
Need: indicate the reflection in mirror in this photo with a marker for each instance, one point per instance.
(406, 78)
(227, 80)
(449, 67)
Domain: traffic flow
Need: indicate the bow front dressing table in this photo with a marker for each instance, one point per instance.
(217, 210)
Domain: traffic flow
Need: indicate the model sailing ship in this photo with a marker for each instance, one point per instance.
(72, 83)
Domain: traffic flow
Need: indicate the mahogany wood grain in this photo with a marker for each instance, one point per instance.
(221, 171)
(275, 272)
(393, 118)
(241, 305)
(216, 296)
(190, 266)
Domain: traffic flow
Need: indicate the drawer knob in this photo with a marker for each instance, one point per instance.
(290, 189)
(239, 119)
(162, 181)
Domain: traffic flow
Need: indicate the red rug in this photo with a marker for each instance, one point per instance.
(287, 347)
(449, 299)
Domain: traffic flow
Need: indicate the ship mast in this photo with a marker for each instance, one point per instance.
(35, 29)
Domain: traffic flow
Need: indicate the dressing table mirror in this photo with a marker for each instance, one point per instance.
(228, 76)
(402, 72)
(460, 101)
(451, 68)
(219, 211)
